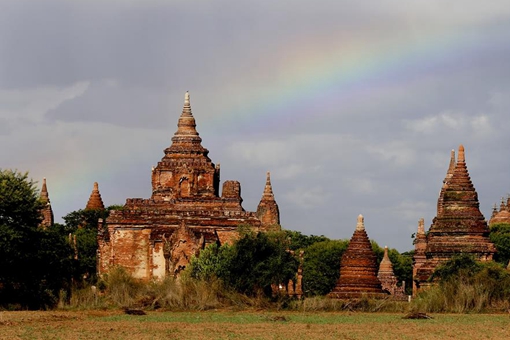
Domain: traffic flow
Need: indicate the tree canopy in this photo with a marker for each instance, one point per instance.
(34, 261)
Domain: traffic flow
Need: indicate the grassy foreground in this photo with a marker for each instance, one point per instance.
(248, 325)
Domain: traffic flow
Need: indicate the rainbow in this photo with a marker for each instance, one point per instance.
(311, 80)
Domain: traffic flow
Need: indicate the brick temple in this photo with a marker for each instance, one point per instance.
(358, 268)
(459, 226)
(156, 237)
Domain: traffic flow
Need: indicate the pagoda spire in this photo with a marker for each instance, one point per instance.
(44, 192)
(446, 181)
(451, 167)
(186, 139)
(360, 225)
(46, 211)
(268, 189)
(95, 201)
(267, 211)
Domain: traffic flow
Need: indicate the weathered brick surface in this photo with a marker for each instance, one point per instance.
(388, 279)
(157, 237)
(459, 226)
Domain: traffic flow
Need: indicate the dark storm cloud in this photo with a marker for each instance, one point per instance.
(95, 88)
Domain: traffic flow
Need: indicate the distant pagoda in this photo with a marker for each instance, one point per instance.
(46, 210)
(358, 268)
(501, 216)
(459, 226)
(95, 201)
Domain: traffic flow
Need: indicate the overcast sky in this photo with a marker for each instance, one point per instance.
(353, 106)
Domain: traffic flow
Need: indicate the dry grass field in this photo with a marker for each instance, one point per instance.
(248, 325)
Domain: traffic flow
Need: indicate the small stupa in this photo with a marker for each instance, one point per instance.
(358, 268)
(95, 201)
(386, 274)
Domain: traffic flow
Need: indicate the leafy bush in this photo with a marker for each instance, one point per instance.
(34, 262)
(500, 236)
(254, 263)
(321, 266)
(465, 285)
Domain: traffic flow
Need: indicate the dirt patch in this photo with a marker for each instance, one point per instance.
(243, 325)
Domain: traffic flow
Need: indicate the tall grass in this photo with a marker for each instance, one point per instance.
(363, 304)
(120, 290)
(470, 287)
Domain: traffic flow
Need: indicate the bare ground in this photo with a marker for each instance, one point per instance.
(248, 325)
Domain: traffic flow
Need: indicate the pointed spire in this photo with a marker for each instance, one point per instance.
(95, 201)
(268, 189)
(451, 169)
(46, 211)
(386, 265)
(186, 139)
(494, 211)
(461, 154)
(44, 192)
(186, 125)
(267, 210)
(421, 226)
(360, 225)
(186, 110)
(502, 206)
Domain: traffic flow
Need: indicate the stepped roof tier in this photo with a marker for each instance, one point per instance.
(459, 226)
(358, 268)
(156, 237)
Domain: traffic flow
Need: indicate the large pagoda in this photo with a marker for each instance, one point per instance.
(459, 226)
(156, 237)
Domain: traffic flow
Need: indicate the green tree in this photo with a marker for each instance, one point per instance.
(251, 265)
(500, 236)
(321, 266)
(34, 261)
(82, 225)
(298, 241)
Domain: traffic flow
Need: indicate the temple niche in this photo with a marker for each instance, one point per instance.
(156, 237)
(459, 226)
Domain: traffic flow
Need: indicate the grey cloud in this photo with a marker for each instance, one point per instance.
(345, 150)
